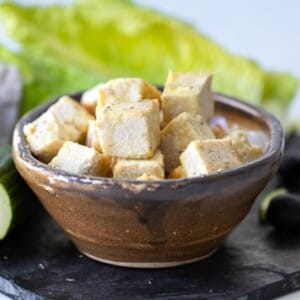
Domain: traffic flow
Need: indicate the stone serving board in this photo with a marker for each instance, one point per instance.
(256, 262)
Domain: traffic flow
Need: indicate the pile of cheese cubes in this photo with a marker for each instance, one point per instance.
(126, 128)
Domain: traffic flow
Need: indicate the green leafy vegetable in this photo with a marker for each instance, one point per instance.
(73, 47)
(16, 199)
(46, 76)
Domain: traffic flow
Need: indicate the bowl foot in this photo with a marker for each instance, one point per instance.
(148, 265)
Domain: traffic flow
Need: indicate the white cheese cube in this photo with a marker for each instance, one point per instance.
(92, 137)
(245, 151)
(130, 130)
(64, 121)
(208, 156)
(70, 114)
(187, 92)
(139, 168)
(79, 159)
(145, 177)
(126, 90)
(45, 136)
(177, 135)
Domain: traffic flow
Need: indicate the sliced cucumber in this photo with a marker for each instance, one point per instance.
(16, 199)
(5, 212)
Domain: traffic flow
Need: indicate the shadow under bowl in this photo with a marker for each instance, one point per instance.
(157, 223)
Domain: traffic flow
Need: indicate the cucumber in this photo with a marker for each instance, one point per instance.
(16, 199)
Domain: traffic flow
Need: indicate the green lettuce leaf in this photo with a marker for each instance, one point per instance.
(46, 76)
(72, 47)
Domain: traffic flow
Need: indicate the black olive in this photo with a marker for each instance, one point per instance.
(282, 210)
(289, 172)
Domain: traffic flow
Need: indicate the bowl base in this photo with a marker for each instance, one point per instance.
(148, 265)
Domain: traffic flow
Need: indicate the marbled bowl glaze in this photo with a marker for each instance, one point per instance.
(159, 223)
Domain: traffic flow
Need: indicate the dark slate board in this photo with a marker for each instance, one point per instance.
(40, 258)
(256, 262)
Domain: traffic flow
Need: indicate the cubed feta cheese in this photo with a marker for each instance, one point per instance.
(208, 156)
(245, 151)
(130, 130)
(187, 92)
(136, 168)
(45, 136)
(79, 159)
(70, 114)
(126, 90)
(145, 177)
(177, 135)
(64, 121)
(92, 137)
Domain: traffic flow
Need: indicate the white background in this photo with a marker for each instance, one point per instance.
(265, 30)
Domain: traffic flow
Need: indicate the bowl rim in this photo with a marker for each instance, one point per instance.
(22, 152)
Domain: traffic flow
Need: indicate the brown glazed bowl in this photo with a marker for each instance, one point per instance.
(158, 223)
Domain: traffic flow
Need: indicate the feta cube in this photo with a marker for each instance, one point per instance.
(136, 168)
(209, 156)
(177, 135)
(45, 136)
(64, 121)
(79, 159)
(244, 149)
(187, 92)
(70, 114)
(126, 90)
(130, 130)
(92, 137)
(145, 177)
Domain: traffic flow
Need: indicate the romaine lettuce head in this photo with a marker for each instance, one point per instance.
(46, 76)
(93, 40)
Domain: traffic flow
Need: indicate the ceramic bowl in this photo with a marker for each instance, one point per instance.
(158, 223)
